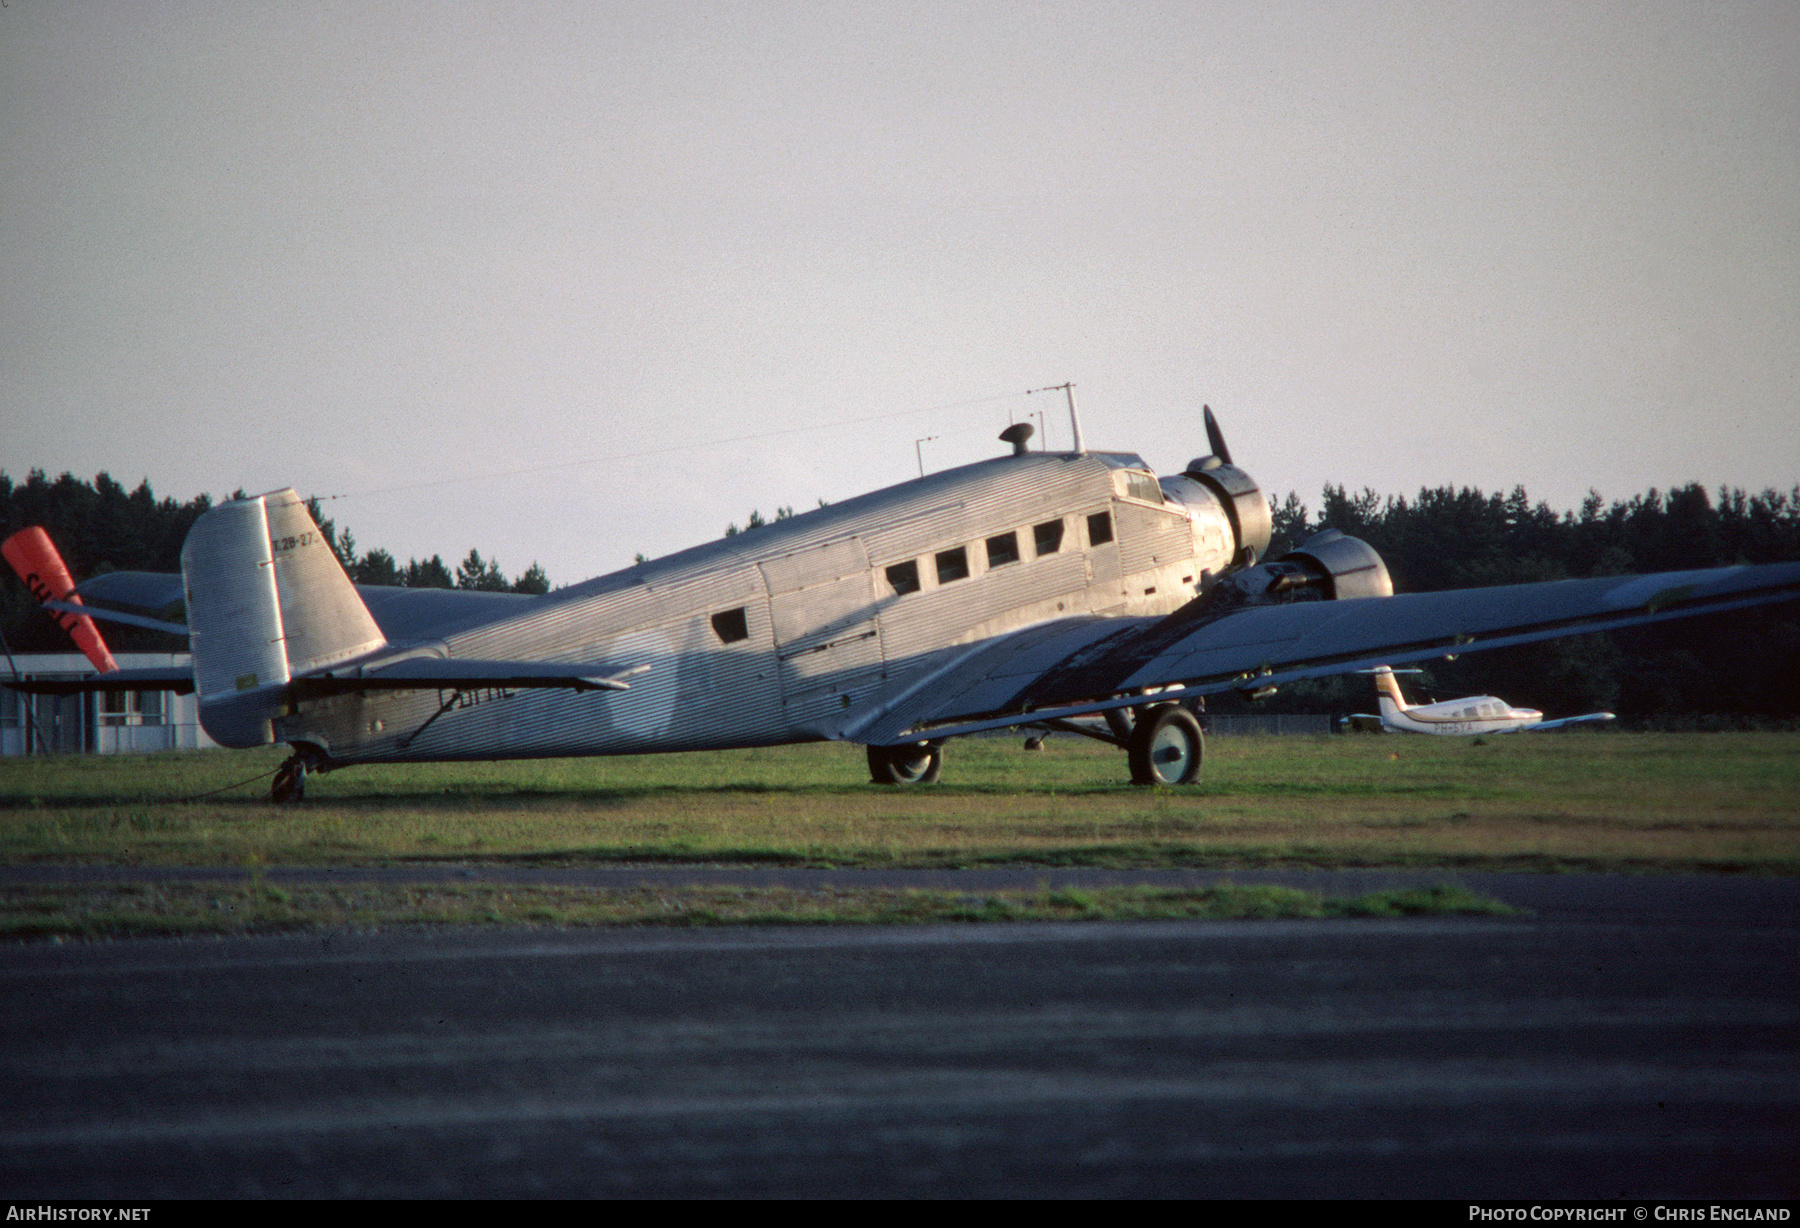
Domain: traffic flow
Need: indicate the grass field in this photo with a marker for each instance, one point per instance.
(1577, 801)
(127, 910)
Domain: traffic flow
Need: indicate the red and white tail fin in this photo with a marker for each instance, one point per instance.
(1387, 690)
(33, 555)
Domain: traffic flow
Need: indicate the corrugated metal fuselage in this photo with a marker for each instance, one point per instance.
(797, 630)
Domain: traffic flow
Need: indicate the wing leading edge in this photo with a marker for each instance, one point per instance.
(1079, 666)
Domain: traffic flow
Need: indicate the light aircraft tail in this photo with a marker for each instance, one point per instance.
(266, 599)
(34, 556)
(1387, 691)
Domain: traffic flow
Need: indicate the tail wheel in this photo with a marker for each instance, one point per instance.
(290, 781)
(919, 764)
(1166, 747)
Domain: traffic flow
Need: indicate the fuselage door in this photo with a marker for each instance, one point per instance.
(827, 641)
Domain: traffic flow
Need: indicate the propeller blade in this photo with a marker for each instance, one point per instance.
(1215, 438)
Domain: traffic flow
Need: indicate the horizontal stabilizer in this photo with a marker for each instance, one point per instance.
(1571, 720)
(437, 673)
(418, 674)
(118, 616)
(177, 678)
(142, 592)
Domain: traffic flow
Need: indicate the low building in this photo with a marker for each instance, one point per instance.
(104, 723)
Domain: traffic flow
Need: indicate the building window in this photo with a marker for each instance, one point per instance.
(953, 565)
(731, 626)
(1003, 549)
(1049, 537)
(1099, 528)
(903, 578)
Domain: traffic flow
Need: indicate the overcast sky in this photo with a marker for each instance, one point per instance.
(552, 256)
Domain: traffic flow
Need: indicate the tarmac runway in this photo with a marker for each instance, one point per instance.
(1635, 1038)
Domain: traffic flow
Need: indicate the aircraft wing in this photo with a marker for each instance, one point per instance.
(1076, 666)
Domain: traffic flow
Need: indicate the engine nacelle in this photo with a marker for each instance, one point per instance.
(1342, 565)
(1328, 566)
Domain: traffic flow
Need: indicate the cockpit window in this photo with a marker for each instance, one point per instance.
(904, 577)
(1142, 486)
(1049, 537)
(1002, 549)
(953, 565)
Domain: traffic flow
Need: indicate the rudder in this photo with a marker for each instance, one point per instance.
(1387, 690)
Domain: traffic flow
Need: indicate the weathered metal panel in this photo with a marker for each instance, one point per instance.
(822, 615)
(952, 613)
(823, 612)
(1151, 537)
(816, 565)
(1104, 573)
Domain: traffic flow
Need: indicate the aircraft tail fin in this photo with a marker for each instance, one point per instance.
(1387, 690)
(34, 556)
(267, 600)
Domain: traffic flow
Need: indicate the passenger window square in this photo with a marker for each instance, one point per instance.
(1100, 528)
(953, 565)
(1049, 537)
(904, 577)
(731, 626)
(1003, 549)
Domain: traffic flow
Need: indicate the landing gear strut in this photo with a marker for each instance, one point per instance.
(290, 781)
(289, 784)
(919, 764)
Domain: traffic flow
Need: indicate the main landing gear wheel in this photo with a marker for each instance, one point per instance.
(290, 781)
(1166, 747)
(919, 764)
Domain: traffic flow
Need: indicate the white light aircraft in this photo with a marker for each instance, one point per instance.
(1024, 591)
(1475, 714)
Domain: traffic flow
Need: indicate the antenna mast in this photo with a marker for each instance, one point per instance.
(919, 451)
(1068, 390)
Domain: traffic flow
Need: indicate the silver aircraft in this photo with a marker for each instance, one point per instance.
(1024, 591)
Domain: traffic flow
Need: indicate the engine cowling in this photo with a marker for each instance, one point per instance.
(1343, 566)
(1244, 504)
(1328, 566)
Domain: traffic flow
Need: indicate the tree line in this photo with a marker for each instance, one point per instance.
(1726, 669)
(99, 526)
